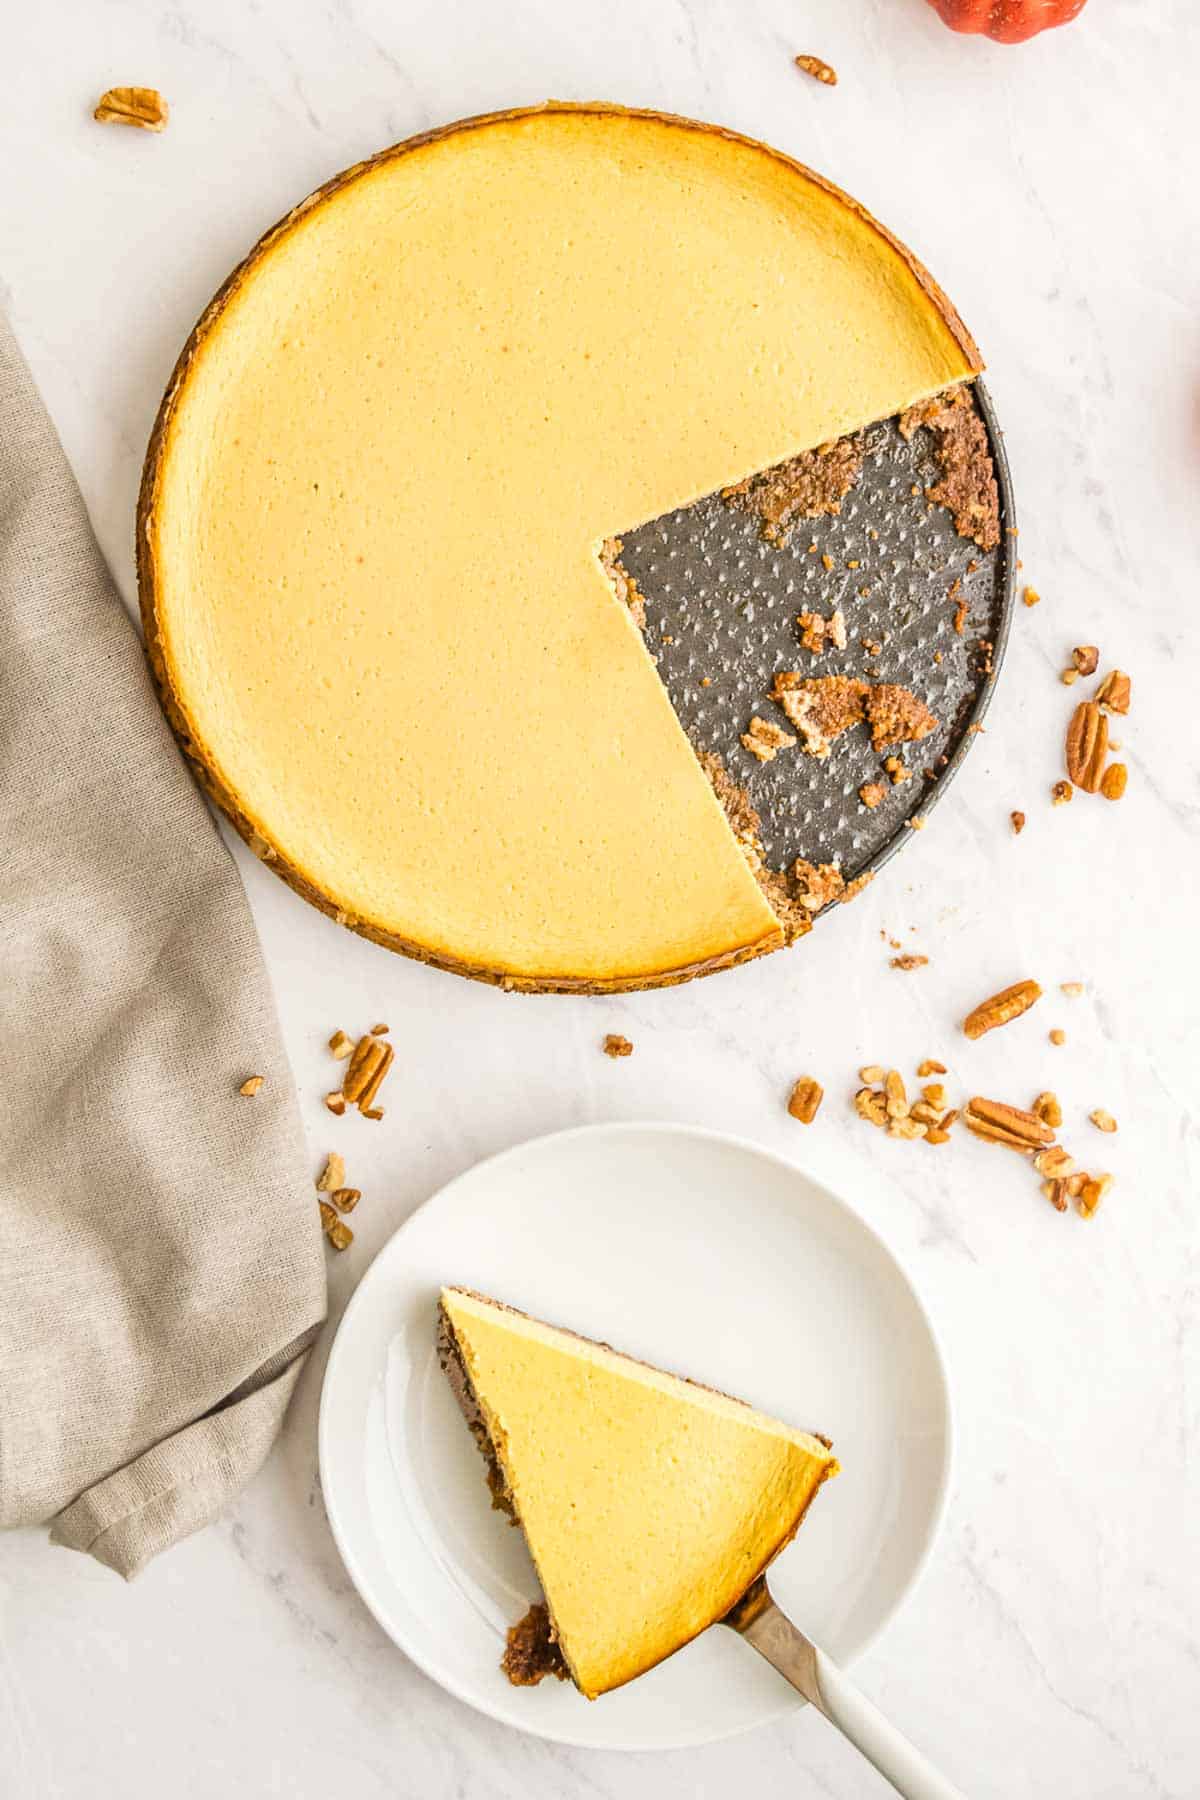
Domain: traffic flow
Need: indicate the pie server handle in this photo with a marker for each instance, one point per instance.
(757, 1618)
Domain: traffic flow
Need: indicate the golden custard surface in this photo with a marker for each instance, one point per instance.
(384, 479)
(649, 1504)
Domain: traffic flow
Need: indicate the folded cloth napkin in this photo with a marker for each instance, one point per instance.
(161, 1264)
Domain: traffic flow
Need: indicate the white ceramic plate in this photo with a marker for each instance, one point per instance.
(702, 1254)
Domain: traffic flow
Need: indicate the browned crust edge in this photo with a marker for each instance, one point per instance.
(453, 1366)
(206, 772)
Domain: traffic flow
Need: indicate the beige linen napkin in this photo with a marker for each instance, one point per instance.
(161, 1265)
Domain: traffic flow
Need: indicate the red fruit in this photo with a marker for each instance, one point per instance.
(1008, 21)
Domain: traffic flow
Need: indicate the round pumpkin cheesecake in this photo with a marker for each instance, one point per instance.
(377, 497)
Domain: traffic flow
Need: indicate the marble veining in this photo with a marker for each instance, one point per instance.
(1051, 1646)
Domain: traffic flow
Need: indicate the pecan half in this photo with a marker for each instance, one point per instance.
(1003, 1124)
(1001, 1008)
(1087, 746)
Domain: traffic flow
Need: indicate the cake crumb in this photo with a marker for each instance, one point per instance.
(807, 486)
(967, 488)
(531, 1652)
(764, 739)
(615, 1045)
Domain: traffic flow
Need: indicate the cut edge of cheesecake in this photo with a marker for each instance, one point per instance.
(204, 762)
(490, 1439)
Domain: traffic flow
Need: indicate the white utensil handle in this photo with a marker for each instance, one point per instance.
(900, 1762)
(759, 1620)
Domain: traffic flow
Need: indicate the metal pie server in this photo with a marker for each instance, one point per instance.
(757, 1619)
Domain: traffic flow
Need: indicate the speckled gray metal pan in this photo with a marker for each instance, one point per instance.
(721, 603)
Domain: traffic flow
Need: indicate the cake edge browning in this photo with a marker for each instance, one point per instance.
(450, 1359)
(203, 765)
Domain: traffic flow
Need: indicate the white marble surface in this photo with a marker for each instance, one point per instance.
(1050, 1649)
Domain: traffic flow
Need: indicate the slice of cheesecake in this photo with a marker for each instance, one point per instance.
(649, 1503)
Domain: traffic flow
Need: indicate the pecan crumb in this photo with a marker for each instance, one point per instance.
(805, 1099)
(615, 1045)
(1031, 596)
(818, 68)
(341, 1045)
(1102, 1120)
(1072, 989)
(930, 1067)
(1048, 1109)
(1061, 793)
(345, 1198)
(871, 793)
(909, 962)
(379, 1030)
(1086, 658)
(336, 1102)
(1114, 781)
(1018, 822)
(251, 1085)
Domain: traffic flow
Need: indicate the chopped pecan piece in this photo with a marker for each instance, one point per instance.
(1018, 822)
(251, 1085)
(1091, 1194)
(871, 1106)
(1086, 658)
(872, 794)
(1062, 792)
(615, 1045)
(140, 106)
(1114, 692)
(1102, 1120)
(341, 1045)
(805, 1099)
(930, 1067)
(909, 961)
(335, 1229)
(1048, 1109)
(333, 1175)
